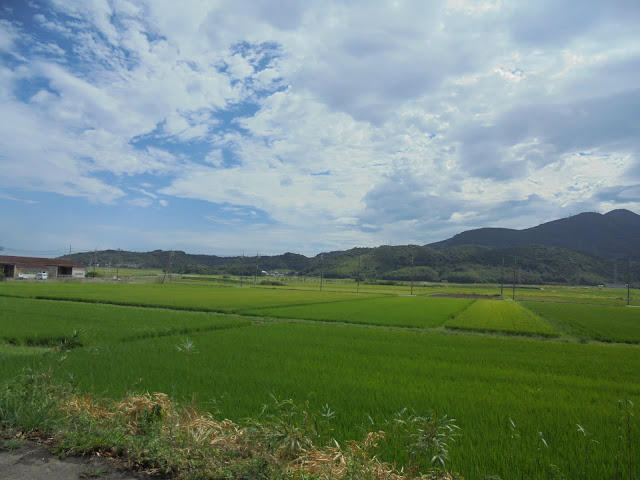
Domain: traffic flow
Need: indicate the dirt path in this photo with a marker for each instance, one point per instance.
(36, 462)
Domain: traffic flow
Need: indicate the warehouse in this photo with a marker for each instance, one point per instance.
(40, 268)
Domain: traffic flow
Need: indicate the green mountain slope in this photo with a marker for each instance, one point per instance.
(585, 249)
(613, 235)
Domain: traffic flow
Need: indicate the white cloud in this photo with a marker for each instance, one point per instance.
(140, 202)
(342, 117)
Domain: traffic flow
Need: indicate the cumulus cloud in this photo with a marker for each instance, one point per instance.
(368, 122)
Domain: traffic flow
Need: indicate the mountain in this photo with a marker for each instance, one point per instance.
(586, 249)
(613, 235)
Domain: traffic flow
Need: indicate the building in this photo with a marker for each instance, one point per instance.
(29, 267)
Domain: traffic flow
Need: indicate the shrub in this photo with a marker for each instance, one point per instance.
(272, 282)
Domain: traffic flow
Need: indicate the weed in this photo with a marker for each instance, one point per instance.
(11, 444)
(428, 437)
(93, 472)
(625, 439)
(587, 441)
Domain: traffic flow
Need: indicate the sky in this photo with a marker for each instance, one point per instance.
(222, 127)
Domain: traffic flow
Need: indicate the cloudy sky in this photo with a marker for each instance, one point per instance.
(216, 126)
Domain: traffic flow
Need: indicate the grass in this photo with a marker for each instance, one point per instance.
(153, 434)
(501, 316)
(593, 322)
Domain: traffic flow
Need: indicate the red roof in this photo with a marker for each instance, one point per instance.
(34, 262)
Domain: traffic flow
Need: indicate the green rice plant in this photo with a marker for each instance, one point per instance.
(414, 312)
(501, 316)
(47, 323)
(372, 373)
(173, 296)
(594, 322)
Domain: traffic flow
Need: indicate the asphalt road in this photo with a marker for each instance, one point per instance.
(35, 462)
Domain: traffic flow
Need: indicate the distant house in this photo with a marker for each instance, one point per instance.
(30, 267)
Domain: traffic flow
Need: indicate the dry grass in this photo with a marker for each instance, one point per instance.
(195, 445)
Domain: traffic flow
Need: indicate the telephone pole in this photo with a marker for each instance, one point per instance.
(242, 269)
(358, 279)
(515, 260)
(629, 284)
(502, 280)
(255, 276)
(412, 274)
(321, 270)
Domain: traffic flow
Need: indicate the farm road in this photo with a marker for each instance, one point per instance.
(36, 462)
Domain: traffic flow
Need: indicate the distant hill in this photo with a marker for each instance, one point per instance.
(536, 264)
(613, 235)
(586, 249)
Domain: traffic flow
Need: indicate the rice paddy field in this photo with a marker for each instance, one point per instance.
(518, 377)
(505, 317)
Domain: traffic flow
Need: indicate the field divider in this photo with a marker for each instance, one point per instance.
(128, 304)
(501, 332)
(303, 304)
(184, 331)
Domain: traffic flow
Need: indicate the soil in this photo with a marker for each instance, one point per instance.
(34, 461)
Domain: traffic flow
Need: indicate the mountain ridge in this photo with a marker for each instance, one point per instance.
(457, 259)
(614, 234)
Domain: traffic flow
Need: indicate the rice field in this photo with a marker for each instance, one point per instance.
(501, 316)
(506, 393)
(593, 322)
(416, 312)
(46, 323)
(173, 296)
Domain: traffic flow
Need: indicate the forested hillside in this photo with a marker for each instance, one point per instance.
(613, 235)
(586, 249)
(534, 264)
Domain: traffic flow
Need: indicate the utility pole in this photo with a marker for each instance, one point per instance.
(502, 280)
(412, 274)
(629, 284)
(321, 270)
(358, 279)
(95, 259)
(170, 264)
(242, 269)
(255, 276)
(515, 260)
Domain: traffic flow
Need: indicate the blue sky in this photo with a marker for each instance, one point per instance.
(273, 126)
